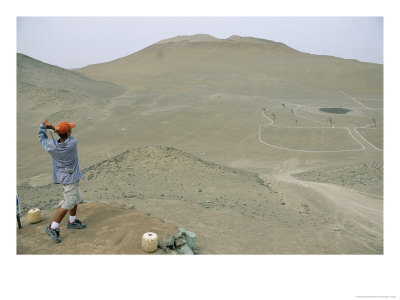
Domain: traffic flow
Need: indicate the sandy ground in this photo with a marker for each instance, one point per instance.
(240, 126)
(110, 229)
(231, 211)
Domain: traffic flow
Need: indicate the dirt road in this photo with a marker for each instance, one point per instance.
(357, 216)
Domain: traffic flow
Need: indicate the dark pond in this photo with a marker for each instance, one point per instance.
(335, 110)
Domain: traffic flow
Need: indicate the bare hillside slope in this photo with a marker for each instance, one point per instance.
(219, 63)
(231, 211)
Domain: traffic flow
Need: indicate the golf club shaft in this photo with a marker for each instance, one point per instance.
(53, 140)
(18, 212)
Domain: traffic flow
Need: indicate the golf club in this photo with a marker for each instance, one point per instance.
(18, 213)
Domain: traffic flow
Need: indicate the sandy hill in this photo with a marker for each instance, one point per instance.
(222, 63)
(231, 211)
(189, 38)
(33, 74)
(227, 115)
(199, 94)
(163, 173)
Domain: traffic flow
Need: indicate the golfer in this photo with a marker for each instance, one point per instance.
(65, 171)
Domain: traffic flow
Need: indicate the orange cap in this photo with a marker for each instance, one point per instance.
(63, 127)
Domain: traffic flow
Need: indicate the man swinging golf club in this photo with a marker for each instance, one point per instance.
(65, 171)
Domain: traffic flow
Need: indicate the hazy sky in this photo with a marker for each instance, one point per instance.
(73, 42)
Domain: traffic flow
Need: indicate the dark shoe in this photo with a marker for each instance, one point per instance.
(76, 225)
(54, 234)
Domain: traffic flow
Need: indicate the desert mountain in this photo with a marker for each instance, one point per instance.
(249, 65)
(190, 39)
(231, 121)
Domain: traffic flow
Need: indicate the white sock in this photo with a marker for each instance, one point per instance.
(55, 225)
(72, 219)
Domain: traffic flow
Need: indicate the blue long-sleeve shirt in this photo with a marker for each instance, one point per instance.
(63, 158)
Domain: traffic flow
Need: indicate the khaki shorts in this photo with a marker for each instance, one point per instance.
(72, 195)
